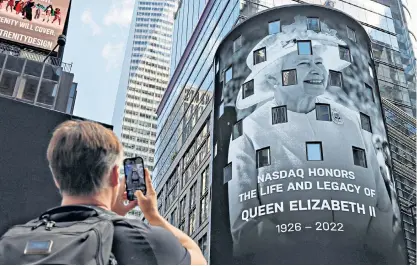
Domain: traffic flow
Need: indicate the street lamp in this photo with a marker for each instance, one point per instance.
(62, 39)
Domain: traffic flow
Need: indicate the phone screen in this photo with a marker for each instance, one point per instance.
(135, 176)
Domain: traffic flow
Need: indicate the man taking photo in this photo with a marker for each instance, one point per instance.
(84, 159)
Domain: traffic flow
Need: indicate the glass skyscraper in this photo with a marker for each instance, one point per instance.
(182, 171)
(145, 75)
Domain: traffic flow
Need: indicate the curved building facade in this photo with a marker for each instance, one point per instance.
(301, 161)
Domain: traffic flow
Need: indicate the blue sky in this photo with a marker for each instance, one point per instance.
(96, 40)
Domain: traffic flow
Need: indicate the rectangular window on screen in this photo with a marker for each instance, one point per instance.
(304, 48)
(366, 122)
(274, 27)
(237, 129)
(263, 157)
(248, 89)
(335, 79)
(314, 151)
(279, 115)
(344, 53)
(359, 157)
(259, 56)
(369, 93)
(228, 75)
(237, 44)
(351, 34)
(313, 24)
(289, 77)
(323, 112)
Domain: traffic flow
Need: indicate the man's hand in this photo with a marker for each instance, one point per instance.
(119, 207)
(148, 203)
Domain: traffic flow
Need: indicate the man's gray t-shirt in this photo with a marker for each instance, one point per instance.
(136, 243)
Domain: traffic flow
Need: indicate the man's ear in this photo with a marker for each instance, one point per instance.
(114, 176)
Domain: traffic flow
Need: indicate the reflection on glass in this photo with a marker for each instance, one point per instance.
(27, 89)
(47, 92)
(344, 53)
(323, 112)
(359, 157)
(259, 56)
(263, 157)
(289, 77)
(313, 24)
(274, 27)
(314, 152)
(279, 115)
(366, 122)
(8, 82)
(335, 79)
(304, 47)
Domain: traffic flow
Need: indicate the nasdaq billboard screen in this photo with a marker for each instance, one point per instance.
(301, 167)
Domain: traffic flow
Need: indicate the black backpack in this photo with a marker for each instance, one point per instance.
(50, 240)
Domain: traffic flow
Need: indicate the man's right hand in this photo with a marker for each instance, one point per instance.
(149, 206)
(148, 203)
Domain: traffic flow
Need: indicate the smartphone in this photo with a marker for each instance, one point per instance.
(135, 176)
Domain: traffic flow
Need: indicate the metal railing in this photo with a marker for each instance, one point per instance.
(34, 56)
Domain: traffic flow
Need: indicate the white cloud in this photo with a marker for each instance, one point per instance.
(113, 54)
(120, 13)
(87, 19)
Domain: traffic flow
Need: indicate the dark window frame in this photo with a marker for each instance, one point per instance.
(225, 73)
(369, 121)
(364, 152)
(330, 112)
(257, 157)
(368, 87)
(241, 44)
(354, 33)
(305, 41)
(321, 150)
(254, 55)
(240, 122)
(319, 30)
(341, 77)
(286, 114)
(274, 21)
(288, 70)
(253, 88)
(345, 47)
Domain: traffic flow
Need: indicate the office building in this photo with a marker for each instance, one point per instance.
(31, 67)
(196, 41)
(145, 75)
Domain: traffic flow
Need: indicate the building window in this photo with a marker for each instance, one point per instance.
(369, 92)
(228, 75)
(314, 151)
(344, 53)
(289, 77)
(193, 198)
(335, 78)
(259, 56)
(279, 115)
(173, 217)
(227, 173)
(192, 222)
(313, 24)
(204, 208)
(274, 27)
(371, 72)
(237, 129)
(248, 89)
(366, 122)
(359, 157)
(304, 48)
(351, 34)
(263, 157)
(203, 244)
(183, 209)
(237, 44)
(205, 181)
(323, 112)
